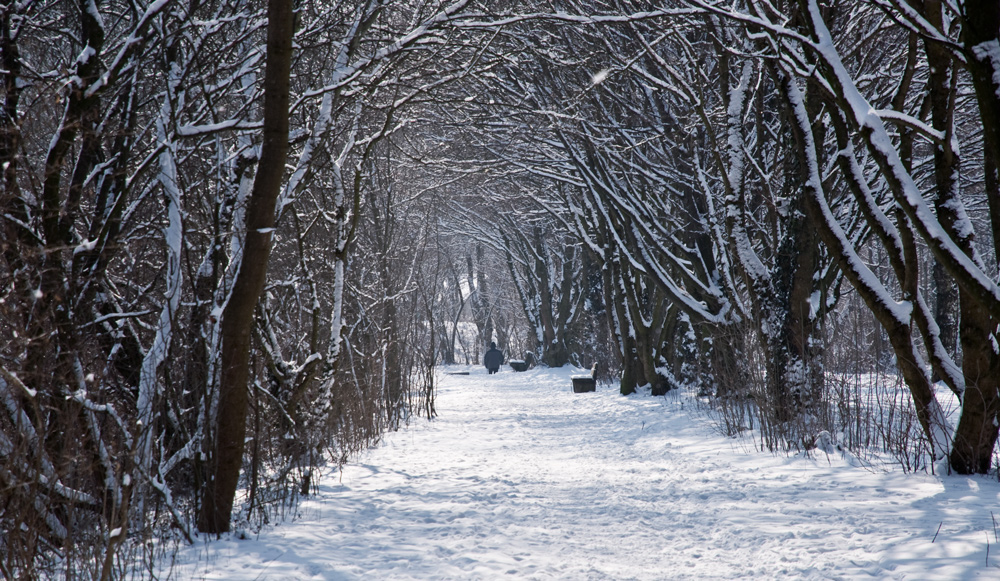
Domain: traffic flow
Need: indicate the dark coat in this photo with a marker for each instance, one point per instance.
(493, 359)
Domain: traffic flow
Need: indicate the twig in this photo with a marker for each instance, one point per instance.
(936, 533)
(994, 527)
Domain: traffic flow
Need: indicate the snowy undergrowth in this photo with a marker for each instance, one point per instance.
(867, 418)
(519, 478)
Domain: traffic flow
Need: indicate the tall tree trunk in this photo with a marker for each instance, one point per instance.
(946, 167)
(15, 238)
(640, 312)
(977, 430)
(482, 304)
(547, 338)
(237, 318)
(981, 34)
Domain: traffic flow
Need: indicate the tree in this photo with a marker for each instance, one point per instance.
(948, 234)
(238, 315)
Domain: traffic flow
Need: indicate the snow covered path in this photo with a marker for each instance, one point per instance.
(519, 478)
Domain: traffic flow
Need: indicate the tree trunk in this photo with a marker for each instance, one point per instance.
(946, 167)
(482, 305)
(237, 318)
(976, 432)
(981, 32)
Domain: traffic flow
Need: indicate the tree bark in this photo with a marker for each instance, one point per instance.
(237, 317)
(946, 168)
(976, 432)
(482, 304)
(981, 33)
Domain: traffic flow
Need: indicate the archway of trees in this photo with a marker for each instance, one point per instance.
(239, 236)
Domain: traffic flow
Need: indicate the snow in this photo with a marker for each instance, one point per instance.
(519, 478)
(85, 246)
(173, 235)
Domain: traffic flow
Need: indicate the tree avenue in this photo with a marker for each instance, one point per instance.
(239, 237)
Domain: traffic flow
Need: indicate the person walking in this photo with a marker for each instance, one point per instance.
(493, 359)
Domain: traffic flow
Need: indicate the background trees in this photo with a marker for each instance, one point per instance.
(727, 158)
(133, 140)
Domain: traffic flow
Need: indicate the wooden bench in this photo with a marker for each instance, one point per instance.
(584, 383)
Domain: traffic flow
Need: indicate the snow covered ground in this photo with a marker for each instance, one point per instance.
(519, 478)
